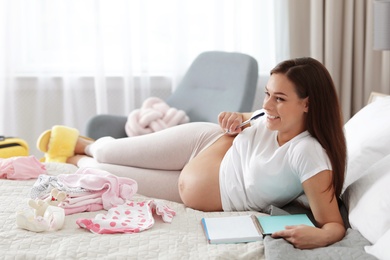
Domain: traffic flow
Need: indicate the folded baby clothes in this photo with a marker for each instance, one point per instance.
(45, 183)
(87, 202)
(87, 189)
(130, 217)
(116, 189)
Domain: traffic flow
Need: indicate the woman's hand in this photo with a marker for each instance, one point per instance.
(229, 121)
(302, 236)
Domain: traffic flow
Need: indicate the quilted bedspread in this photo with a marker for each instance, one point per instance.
(182, 239)
(349, 248)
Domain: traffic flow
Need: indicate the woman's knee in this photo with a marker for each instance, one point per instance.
(101, 155)
(100, 150)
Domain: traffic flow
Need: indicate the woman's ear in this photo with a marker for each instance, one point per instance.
(306, 104)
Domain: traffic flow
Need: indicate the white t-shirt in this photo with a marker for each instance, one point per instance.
(256, 172)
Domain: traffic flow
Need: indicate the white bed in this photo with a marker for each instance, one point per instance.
(366, 197)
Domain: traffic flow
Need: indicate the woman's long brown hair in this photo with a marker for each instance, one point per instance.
(324, 120)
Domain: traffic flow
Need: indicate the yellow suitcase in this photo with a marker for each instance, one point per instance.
(12, 146)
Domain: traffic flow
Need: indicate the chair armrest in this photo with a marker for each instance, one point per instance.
(106, 125)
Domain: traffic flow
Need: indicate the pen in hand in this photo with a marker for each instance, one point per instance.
(248, 121)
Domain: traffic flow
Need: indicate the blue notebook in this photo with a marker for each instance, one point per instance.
(271, 224)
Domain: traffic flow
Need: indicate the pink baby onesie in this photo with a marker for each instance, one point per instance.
(21, 168)
(130, 217)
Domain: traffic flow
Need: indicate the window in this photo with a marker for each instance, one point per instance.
(134, 36)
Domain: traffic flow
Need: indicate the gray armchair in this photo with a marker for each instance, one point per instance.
(216, 81)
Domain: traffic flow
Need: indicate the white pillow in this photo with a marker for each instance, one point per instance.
(367, 135)
(368, 201)
(381, 248)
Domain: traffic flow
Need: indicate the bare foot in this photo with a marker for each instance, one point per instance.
(81, 144)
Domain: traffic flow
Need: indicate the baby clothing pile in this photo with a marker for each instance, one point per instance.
(88, 189)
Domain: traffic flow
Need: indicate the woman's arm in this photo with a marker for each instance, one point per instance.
(324, 206)
(231, 120)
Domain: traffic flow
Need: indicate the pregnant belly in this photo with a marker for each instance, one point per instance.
(199, 180)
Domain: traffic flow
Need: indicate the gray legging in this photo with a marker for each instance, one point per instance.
(161, 152)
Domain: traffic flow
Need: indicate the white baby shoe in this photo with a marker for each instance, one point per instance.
(52, 220)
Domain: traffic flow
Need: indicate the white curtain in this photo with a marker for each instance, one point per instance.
(63, 61)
